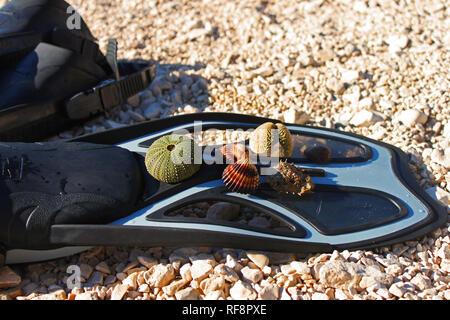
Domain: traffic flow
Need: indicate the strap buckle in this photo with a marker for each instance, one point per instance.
(108, 94)
(87, 103)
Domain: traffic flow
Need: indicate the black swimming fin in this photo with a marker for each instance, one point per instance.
(61, 78)
(61, 197)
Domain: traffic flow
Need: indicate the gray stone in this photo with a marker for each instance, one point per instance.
(251, 275)
(134, 101)
(176, 97)
(259, 222)
(136, 116)
(153, 110)
(29, 288)
(280, 257)
(439, 194)
(397, 289)
(223, 211)
(342, 275)
(133, 264)
(147, 262)
(421, 282)
(188, 294)
(110, 124)
(96, 278)
(86, 270)
(160, 84)
(103, 267)
(269, 292)
(48, 279)
(242, 291)
(226, 272)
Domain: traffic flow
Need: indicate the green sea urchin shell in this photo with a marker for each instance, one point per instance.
(171, 158)
(268, 137)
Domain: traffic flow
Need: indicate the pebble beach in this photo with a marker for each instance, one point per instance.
(377, 68)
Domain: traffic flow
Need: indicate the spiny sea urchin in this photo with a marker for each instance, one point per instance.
(290, 179)
(171, 158)
(269, 137)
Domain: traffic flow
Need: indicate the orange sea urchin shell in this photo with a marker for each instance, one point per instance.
(290, 179)
(241, 176)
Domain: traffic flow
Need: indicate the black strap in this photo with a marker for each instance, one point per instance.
(65, 39)
(108, 94)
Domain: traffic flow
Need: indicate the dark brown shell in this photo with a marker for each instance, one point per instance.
(290, 179)
(241, 176)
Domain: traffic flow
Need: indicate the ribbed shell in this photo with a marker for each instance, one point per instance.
(164, 159)
(263, 139)
(242, 176)
(290, 179)
(234, 152)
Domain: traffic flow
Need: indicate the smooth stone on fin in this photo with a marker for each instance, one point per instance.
(318, 154)
(223, 211)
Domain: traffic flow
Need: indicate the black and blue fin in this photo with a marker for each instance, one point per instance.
(364, 196)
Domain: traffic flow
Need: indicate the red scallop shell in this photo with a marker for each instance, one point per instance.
(241, 176)
(234, 152)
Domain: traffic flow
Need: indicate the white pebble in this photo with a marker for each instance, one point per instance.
(411, 117)
(364, 118)
(295, 116)
(349, 76)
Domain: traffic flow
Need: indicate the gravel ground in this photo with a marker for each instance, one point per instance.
(377, 68)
